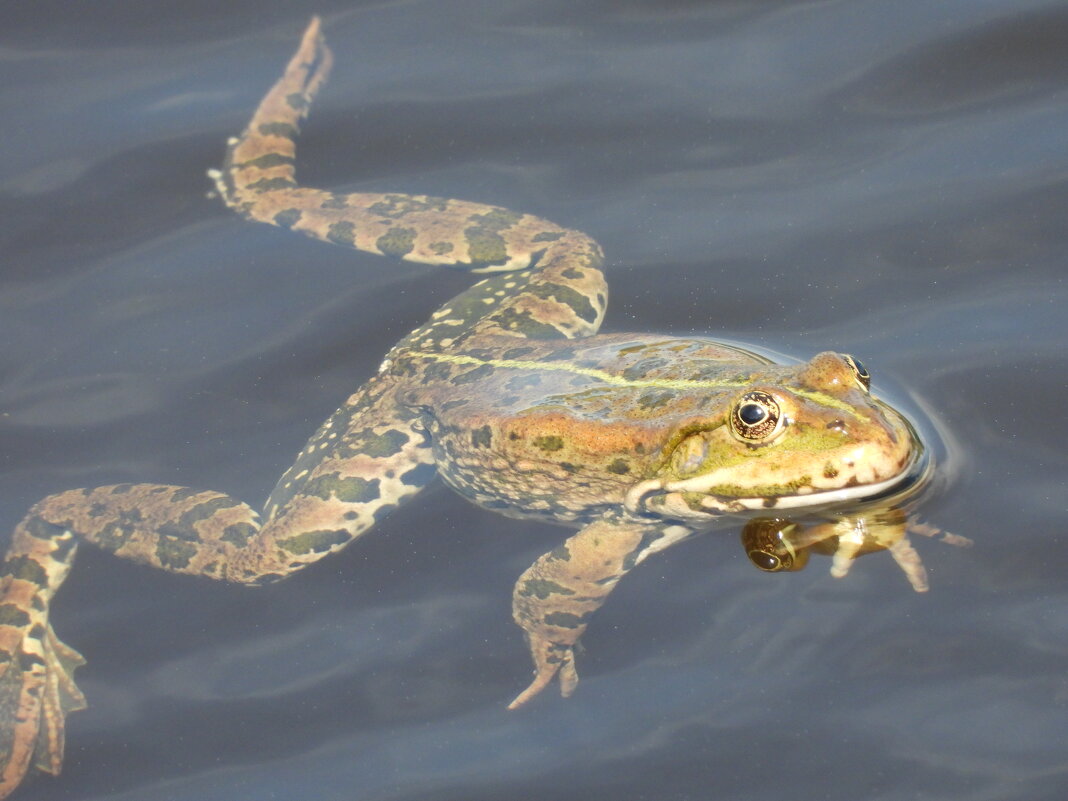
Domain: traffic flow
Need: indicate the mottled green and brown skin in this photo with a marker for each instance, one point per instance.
(507, 392)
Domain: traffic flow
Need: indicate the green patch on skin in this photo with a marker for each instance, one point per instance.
(643, 368)
(174, 554)
(547, 236)
(482, 437)
(41, 529)
(350, 490)
(830, 471)
(560, 553)
(522, 323)
(516, 353)
(267, 160)
(619, 467)
(11, 615)
(283, 129)
(25, 568)
(396, 242)
(184, 494)
(342, 232)
(397, 206)
(575, 300)
(314, 541)
(561, 354)
(439, 371)
(477, 374)
(485, 245)
(549, 443)
(271, 184)
(543, 588)
(287, 218)
(205, 510)
(122, 489)
(297, 101)
(564, 620)
(572, 274)
(113, 536)
(441, 248)
(238, 534)
(656, 399)
(388, 443)
(334, 202)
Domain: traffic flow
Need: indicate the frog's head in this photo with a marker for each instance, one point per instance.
(790, 436)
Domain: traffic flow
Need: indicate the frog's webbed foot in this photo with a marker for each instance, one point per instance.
(551, 660)
(37, 691)
(260, 161)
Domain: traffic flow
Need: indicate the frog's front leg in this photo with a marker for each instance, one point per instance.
(554, 598)
(370, 456)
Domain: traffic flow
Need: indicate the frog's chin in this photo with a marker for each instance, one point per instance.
(685, 498)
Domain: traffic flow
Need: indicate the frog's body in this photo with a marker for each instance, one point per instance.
(507, 392)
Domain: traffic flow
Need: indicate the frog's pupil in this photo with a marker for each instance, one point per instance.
(751, 414)
(862, 371)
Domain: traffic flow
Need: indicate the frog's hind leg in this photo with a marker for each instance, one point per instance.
(558, 291)
(36, 670)
(369, 457)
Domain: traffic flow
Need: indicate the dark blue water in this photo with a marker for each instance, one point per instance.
(887, 178)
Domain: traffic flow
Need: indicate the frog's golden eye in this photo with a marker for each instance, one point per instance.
(756, 417)
(860, 372)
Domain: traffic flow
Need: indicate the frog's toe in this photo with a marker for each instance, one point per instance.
(37, 691)
(551, 661)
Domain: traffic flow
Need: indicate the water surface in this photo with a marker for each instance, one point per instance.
(882, 178)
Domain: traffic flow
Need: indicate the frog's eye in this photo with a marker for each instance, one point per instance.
(756, 417)
(860, 372)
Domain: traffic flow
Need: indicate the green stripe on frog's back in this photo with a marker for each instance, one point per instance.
(729, 381)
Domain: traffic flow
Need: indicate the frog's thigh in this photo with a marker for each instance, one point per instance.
(555, 597)
(365, 460)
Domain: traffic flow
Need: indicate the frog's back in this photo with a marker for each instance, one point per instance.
(563, 430)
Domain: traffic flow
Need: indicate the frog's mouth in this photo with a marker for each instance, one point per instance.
(698, 496)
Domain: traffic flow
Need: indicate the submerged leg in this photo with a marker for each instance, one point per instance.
(367, 458)
(554, 598)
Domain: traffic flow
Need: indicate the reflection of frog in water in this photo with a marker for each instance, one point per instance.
(507, 393)
(777, 544)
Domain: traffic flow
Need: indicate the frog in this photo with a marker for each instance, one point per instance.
(508, 393)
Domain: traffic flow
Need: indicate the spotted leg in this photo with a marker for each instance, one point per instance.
(370, 456)
(554, 598)
(556, 288)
